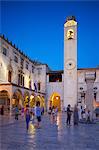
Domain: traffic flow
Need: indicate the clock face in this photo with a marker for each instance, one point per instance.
(70, 64)
(70, 34)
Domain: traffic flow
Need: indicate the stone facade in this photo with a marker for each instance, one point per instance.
(23, 80)
(19, 74)
(70, 62)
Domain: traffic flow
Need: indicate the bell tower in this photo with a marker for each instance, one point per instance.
(70, 61)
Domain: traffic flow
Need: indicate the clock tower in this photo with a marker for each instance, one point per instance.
(70, 62)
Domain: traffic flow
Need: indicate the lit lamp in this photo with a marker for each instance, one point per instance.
(32, 96)
(57, 97)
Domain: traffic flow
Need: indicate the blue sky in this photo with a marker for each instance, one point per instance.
(37, 29)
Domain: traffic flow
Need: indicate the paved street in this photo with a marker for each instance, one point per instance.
(51, 136)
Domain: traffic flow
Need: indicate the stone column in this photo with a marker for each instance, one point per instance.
(10, 106)
(89, 96)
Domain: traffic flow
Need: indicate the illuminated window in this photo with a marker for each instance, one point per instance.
(30, 84)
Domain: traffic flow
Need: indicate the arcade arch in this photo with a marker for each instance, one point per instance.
(32, 100)
(26, 98)
(5, 100)
(41, 100)
(55, 101)
(17, 99)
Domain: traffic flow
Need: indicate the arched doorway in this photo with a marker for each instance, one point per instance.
(41, 100)
(5, 100)
(32, 100)
(17, 99)
(55, 101)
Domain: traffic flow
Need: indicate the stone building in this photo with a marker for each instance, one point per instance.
(21, 79)
(24, 81)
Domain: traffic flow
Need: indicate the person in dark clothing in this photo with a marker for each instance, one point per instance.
(27, 117)
(16, 112)
(68, 114)
(2, 110)
(75, 115)
(50, 110)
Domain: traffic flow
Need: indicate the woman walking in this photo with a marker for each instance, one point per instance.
(27, 117)
(76, 117)
(16, 112)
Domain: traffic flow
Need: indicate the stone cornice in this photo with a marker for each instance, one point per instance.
(12, 84)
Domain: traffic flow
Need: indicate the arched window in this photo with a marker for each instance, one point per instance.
(29, 84)
(39, 86)
(9, 76)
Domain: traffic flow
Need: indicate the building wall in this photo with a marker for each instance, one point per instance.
(7, 63)
(88, 86)
(54, 87)
(39, 75)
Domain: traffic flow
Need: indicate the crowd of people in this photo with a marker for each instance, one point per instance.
(53, 113)
(30, 115)
(33, 115)
(77, 114)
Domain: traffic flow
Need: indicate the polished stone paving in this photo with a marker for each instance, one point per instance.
(51, 135)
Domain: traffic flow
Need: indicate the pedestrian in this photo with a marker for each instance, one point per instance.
(27, 117)
(2, 110)
(43, 110)
(69, 113)
(88, 116)
(75, 115)
(31, 123)
(38, 114)
(22, 112)
(50, 110)
(80, 113)
(56, 111)
(16, 112)
(84, 115)
(53, 113)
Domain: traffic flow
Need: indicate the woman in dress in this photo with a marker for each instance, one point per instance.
(76, 117)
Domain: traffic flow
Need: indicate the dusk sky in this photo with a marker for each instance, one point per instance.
(37, 28)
